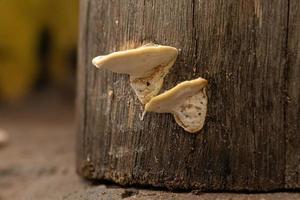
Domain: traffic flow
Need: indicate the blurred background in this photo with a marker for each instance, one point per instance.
(38, 45)
(38, 41)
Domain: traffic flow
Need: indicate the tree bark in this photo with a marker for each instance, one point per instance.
(293, 97)
(249, 53)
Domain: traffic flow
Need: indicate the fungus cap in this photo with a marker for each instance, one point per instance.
(146, 65)
(187, 101)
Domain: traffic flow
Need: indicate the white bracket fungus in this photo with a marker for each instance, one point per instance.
(187, 101)
(146, 65)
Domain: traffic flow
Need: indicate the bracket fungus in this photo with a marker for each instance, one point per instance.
(146, 65)
(187, 101)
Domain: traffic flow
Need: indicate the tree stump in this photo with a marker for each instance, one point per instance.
(249, 53)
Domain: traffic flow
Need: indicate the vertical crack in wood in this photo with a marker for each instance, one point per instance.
(86, 97)
(285, 95)
(258, 20)
(136, 153)
(143, 22)
(195, 38)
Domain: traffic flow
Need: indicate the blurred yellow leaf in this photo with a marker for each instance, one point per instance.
(21, 23)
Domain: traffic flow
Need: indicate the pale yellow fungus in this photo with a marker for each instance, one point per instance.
(187, 101)
(146, 65)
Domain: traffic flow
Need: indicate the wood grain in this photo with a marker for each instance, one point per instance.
(293, 98)
(241, 47)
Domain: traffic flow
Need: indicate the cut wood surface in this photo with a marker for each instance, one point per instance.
(249, 53)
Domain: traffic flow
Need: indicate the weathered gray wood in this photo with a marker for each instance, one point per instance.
(241, 47)
(293, 98)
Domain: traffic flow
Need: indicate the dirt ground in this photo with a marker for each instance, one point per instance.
(38, 163)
